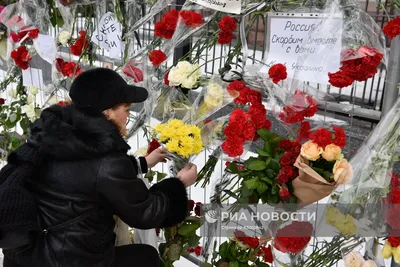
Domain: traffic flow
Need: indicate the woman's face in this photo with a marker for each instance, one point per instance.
(119, 116)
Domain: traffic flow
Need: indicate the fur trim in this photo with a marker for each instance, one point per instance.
(176, 193)
(68, 133)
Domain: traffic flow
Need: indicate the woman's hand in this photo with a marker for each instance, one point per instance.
(188, 175)
(155, 157)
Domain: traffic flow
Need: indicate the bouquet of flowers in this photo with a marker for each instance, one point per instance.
(321, 165)
(181, 140)
(240, 250)
(185, 76)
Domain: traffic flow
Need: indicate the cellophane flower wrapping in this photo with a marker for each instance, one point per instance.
(35, 13)
(75, 3)
(172, 103)
(373, 162)
(191, 18)
(136, 72)
(213, 97)
(357, 36)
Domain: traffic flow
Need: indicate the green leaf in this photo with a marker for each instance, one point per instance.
(187, 229)
(233, 252)
(267, 147)
(252, 183)
(276, 140)
(193, 240)
(245, 192)
(223, 249)
(270, 173)
(233, 168)
(255, 164)
(60, 20)
(233, 264)
(262, 264)
(273, 200)
(261, 152)
(264, 134)
(268, 180)
(174, 252)
(262, 187)
(275, 165)
(275, 190)
(160, 176)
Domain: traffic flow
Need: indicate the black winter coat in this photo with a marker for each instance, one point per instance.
(87, 170)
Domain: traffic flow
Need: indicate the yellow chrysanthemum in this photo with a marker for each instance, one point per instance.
(172, 145)
(387, 250)
(180, 138)
(343, 223)
(396, 254)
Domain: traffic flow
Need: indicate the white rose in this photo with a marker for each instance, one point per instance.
(184, 67)
(64, 37)
(196, 71)
(30, 99)
(175, 77)
(353, 259)
(213, 102)
(141, 152)
(369, 263)
(29, 110)
(33, 90)
(215, 90)
(189, 83)
(12, 93)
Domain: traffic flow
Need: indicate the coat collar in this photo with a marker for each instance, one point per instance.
(68, 133)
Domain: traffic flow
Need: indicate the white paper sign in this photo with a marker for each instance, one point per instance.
(46, 47)
(228, 6)
(32, 77)
(108, 35)
(308, 53)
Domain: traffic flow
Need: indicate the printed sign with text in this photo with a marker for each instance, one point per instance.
(227, 6)
(308, 49)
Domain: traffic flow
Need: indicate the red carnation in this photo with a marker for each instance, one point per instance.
(135, 73)
(340, 136)
(304, 131)
(157, 57)
(21, 57)
(197, 209)
(394, 181)
(266, 252)
(154, 144)
(392, 28)
(293, 238)
(394, 241)
(287, 171)
(81, 44)
(285, 145)
(2, 101)
(224, 37)
(191, 18)
(227, 24)
(285, 160)
(233, 146)
(191, 205)
(277, 73)
(62, 104)
(322, 137)
(252, 242)
(68, 69)
(284, 193)
(340, 79)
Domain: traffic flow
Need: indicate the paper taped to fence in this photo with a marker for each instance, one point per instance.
(299, 44)
(108, 35)
(227, 6)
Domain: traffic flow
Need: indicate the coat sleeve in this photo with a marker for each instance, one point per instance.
(163, 205)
